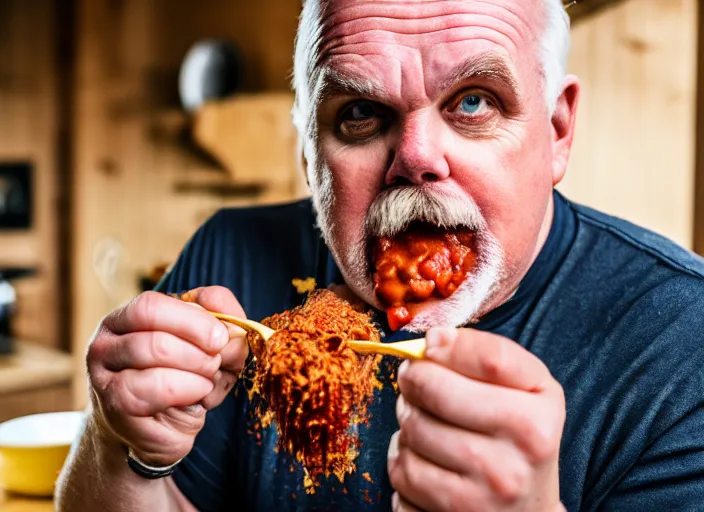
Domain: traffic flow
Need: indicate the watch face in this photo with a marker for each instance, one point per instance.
(15, 196)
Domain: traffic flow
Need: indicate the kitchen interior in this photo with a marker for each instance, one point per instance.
(124, 124)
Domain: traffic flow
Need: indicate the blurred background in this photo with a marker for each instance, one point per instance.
(124, 124)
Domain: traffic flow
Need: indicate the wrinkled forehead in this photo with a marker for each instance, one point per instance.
(432, 36)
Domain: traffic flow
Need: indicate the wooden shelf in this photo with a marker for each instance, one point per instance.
(584, 8)
(33, 367)
(11, 503)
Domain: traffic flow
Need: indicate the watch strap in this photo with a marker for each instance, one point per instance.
(146, 471)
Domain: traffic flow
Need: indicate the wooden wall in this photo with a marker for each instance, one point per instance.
(28, 131)
(699, 147)
(131, 200)
(634, 149)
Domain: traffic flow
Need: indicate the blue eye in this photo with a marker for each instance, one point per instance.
(471, 104)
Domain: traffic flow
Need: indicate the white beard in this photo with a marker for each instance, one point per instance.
(391, 213)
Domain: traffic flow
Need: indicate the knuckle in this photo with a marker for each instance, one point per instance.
(539, 436)
(494, 360)
(158, 347)
(419, 382)
(95, 354)
(402, 474)
(165, 387)
(411, 476)
(121, 399)
(457, 498)
(395, 476)
(210, 366)
(146, 305)
(98, 345)
(98, 381)
(235, 356)
(220, 291)
(513, 483)
(409, 432)
(467, 450)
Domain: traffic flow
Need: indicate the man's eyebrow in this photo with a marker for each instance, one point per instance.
(333, 83)
(488, 65)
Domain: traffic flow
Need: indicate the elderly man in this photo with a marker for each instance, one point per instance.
(565, 371)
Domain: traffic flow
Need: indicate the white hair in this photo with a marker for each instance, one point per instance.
(554, 51)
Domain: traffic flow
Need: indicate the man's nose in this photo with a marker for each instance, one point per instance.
(419, 156)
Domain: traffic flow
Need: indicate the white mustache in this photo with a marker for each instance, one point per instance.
(393, 210)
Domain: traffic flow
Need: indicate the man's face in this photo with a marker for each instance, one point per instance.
(444, 96)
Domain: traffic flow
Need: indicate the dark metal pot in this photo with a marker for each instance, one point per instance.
(8, 304)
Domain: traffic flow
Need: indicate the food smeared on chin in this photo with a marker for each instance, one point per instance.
(418, 264)
(314, 386)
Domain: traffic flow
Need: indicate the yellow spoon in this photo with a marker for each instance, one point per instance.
(409, 349)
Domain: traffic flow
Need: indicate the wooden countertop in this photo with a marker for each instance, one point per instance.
(33, 367)
(28, 368)
(11, 503)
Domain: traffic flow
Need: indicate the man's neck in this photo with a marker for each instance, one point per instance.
(502, 297)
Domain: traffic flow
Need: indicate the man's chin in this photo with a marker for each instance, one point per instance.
(471, 300)
(448, 312)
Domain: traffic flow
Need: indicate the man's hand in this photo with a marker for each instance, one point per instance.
(158, 364)
(481, 421)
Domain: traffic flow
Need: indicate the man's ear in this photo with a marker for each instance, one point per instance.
(304, 168)
(303, 162)
(563, 125)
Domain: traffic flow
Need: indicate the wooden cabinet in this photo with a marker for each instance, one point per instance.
(35, 379)
(140, 186)
(29, 133)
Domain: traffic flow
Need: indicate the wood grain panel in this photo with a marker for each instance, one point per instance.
(31, 367)
(699, 173)
(53, 399)
(137, 197)
(28, 127)
(634, 148)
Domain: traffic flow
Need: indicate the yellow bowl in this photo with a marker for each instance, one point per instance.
(33, 449)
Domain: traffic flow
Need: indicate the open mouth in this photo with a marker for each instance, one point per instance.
(421, 263)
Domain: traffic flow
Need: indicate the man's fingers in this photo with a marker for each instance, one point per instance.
(527, 419)
(421, 484)
(215, 298)
(144, 350)
(143, 393)
(447, 446)
(398, 504)
(221, 300)
(475, 456)
(223, 382)
(234, 355)
(487, 357)
(152, 311)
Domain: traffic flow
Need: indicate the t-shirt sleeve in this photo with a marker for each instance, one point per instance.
(669, 475)
(206, 473)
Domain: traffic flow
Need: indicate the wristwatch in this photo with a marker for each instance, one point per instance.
(148, 472)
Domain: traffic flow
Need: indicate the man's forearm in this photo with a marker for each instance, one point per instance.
(97, 477)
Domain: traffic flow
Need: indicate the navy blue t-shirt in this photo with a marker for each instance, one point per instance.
(615, 311)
